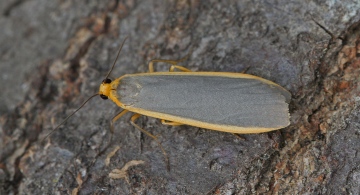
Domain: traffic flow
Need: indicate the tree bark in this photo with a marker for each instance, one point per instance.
(54, 55)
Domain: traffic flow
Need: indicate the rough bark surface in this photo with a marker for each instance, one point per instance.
(54, 55)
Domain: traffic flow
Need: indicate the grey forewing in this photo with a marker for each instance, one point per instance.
(213, 99)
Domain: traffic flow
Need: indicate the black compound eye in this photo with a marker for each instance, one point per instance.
(104, 97)
(106, 81)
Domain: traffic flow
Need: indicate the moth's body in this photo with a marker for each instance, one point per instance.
(229, 102)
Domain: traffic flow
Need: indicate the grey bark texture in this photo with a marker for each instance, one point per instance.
(54, 55)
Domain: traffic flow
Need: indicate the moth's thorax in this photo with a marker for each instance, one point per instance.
(105, 89)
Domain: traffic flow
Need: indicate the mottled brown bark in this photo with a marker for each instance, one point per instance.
(58, 52)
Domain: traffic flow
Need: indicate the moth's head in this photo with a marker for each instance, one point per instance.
(105, 88)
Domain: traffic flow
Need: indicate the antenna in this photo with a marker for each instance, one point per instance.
(69, 116)
(112, 67)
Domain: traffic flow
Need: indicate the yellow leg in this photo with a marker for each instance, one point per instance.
(113, 120)
(238, 136)
(164, 122)
(245, 70)
(172, 62)
(132, 121)
(172, 68)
